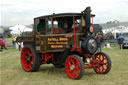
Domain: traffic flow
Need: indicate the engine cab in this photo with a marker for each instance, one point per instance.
(58, 32)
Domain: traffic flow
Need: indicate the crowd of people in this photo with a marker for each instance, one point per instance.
(15, 45)
(99, 39)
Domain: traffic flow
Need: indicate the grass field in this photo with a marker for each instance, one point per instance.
(11, 72)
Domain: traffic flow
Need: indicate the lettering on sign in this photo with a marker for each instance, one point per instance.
(56, 46)
(50, 43)
(58, 39)
(57, 42)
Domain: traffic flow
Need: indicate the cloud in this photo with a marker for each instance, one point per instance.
(23, 11)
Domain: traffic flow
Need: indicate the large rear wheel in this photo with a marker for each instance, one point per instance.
(102, 63)
(74, 67)
(30, 62)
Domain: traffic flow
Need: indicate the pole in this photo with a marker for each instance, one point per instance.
(74, 32)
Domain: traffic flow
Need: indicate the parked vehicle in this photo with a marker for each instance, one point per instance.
(5, 33)
(125, 42)
(65, 40)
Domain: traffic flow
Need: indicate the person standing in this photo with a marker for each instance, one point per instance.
(22, 45)
(19, 46)
(99, 39)
(13, 43)
(0, 42)
(3, 44)
(0, 45)
(120, 41)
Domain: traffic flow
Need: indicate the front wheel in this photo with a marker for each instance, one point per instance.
(102, 63)
(74, 67)
(29, 60)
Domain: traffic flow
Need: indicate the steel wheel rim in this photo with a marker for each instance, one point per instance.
(26, 59)
(73, 67)
(102, 63)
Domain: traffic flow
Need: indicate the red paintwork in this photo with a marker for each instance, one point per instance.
(26, 59)
(86, 54)
(92, 65)
(77, 49)
(102, 63)
(97, 59)
(72, 73)
(46, 57)
(57, 30)
(74, 32)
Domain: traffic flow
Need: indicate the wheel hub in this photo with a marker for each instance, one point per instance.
(29, 58)
(72, 67)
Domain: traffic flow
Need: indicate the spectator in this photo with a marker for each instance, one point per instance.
(0, 41)
(0, 45)
(120, 41)
(3, 44)
(20, 44)
(13, 42)
(99, 39)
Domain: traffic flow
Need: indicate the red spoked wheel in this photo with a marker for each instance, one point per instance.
(74, 67)
(29, 60)
(102, 63)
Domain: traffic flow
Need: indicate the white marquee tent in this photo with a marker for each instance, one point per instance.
(125, 30)
(116, 30)
(18, 29)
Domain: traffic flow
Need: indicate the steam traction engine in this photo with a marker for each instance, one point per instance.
(65, 40)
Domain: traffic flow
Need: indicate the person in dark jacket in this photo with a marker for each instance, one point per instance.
(99, 40)
(120, 41)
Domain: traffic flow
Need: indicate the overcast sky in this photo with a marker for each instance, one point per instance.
(23, 11)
